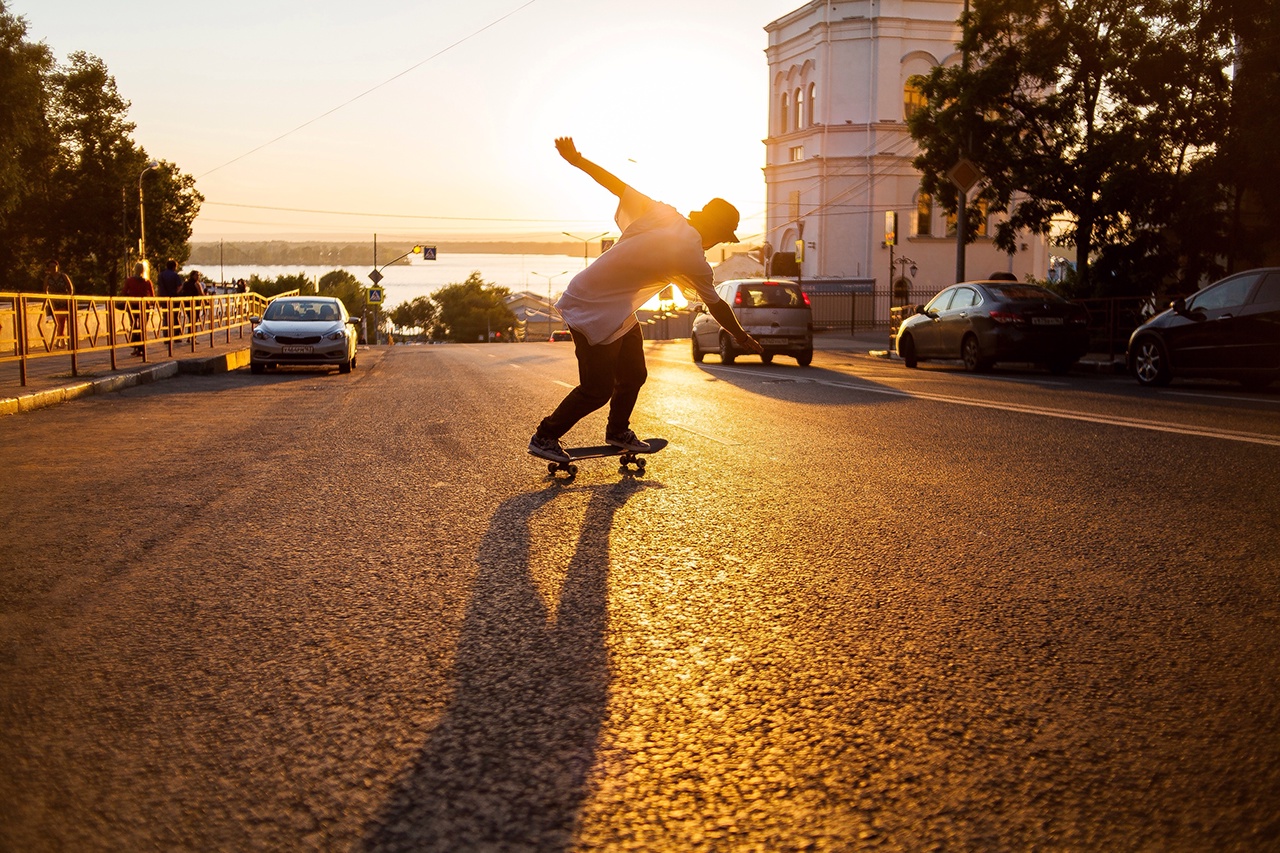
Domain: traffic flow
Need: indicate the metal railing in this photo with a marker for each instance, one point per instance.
(38, 325)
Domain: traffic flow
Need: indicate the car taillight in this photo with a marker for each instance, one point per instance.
(737, 298)
(806, 298)
(1007, 317)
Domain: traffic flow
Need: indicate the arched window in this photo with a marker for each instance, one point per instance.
(912, 97)
(785, 113)
(813, 103)
(924, 214)
(799, 110)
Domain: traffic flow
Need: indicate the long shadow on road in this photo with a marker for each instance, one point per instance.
(506, 768)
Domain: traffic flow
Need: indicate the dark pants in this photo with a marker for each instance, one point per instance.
(608, 373)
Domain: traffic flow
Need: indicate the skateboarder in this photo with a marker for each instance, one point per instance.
(658, 246)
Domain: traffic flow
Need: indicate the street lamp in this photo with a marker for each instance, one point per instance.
(142, 219)
(585, 242)
(549, 279)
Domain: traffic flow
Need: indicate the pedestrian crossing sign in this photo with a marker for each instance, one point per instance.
(375, 296)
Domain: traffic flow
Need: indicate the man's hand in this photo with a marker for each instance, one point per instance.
(568, 150)
(748, 343)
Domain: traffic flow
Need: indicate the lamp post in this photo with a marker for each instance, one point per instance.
(549, 279)
(585, 242)
(142, 219)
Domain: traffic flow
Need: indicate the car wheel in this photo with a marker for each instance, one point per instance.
(697, 350)
(345, 367)
(1151, 363)
(766, 357)
(353, 361)
(804, 358)
(727, 355)
(971, 355)
(257, 368)
(907, 349)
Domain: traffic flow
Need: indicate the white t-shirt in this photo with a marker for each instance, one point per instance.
(658, 247)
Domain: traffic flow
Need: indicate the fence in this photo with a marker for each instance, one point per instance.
(51, 326)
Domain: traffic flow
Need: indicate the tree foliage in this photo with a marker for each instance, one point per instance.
(419, 313)
(473, 310)
(1093, 122)
(282, 284)
(69, 170)
(344, 286)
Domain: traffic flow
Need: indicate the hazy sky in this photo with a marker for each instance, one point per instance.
(671, 95)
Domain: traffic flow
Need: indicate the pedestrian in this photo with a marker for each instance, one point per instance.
(241, 287)
(658, 246)
(140, 288)
(191, 289)
(170, 287)
(58, 284)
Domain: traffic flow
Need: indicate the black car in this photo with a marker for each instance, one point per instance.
(983, 322)
(1228, 330)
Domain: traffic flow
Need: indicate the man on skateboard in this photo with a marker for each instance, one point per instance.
(658, 246)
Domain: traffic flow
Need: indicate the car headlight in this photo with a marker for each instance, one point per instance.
(261, 334)
(337, 335)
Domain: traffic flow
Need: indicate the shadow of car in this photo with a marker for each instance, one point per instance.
(984, 322)
(1229, 330)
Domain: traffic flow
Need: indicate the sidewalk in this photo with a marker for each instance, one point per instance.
(50, 382)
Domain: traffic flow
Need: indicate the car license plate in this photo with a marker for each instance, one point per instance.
(1046, 321)
(297, 350)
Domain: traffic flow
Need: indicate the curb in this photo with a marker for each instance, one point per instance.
(223, 363)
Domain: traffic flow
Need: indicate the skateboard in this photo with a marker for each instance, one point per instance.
(632, 460)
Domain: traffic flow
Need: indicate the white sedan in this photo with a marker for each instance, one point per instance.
(303, 330)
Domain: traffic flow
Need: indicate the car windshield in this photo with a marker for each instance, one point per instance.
(300, 311)
(1023, 293)
(771, 295)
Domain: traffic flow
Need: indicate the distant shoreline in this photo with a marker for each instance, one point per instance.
(342, 253)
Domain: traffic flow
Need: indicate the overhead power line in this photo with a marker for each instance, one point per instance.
(370, 90)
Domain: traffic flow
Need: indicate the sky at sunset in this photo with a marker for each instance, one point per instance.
(437, 116)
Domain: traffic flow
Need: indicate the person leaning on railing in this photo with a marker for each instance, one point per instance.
(58, 283)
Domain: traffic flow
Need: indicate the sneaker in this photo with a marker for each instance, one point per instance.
(548, 448)
(627, 441)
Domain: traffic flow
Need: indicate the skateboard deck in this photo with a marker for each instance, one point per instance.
(629, 459)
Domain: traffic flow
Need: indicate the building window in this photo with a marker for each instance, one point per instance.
(912, 98)
(786, 100)
(924, 215)
(799, 110)
(797, 153)
(813, 94)
(977, 225)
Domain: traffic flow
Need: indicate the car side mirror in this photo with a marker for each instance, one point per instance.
(920, 309)
(255, 320)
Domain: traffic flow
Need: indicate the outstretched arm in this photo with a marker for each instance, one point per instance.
(606, 179)
(725, 317)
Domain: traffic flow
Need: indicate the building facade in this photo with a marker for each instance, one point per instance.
(839, 152)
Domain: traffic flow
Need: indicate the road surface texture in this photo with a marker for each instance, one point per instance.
(852, 606)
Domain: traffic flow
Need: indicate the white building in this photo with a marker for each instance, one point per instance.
(839, 153)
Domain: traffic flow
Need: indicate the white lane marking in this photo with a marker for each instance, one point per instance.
(1202, 395)
(564, 384)
(1108, 420)
(706, 435)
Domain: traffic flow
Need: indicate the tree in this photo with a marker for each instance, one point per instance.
(344, 286)
(281, 284)
(416, 314)
(1091, 118)
(473, 309)
(27, 148)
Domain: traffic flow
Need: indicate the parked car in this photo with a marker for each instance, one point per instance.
(774, 311)
(1228, 330)
(984, 322)
(303, 330)
(561, 335)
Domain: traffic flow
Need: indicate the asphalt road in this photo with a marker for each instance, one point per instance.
(850, 607)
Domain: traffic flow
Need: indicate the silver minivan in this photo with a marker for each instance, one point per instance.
(774, 311)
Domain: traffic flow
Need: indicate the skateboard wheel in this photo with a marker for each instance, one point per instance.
(552, 466)
(573, 470)
(640, 464)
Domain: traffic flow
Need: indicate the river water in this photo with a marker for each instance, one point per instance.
(403, 283)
